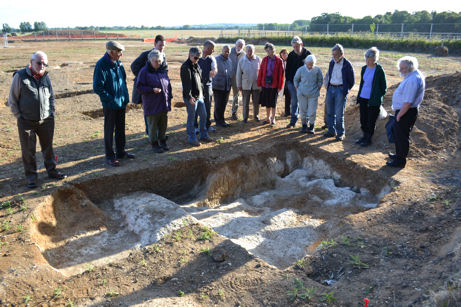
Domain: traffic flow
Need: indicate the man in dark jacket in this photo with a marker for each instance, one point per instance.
(31, 101)
(192, 92)
(209, 69)
(222, 86)
(140, 62)
(294, 61)
(340, 81)
(109, 82)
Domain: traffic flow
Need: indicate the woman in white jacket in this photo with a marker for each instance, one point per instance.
(246, 77)
(308, 80)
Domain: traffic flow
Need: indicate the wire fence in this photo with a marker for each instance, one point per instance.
(442, 31)
(430, 31)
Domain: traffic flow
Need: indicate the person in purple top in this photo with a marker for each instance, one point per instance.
(155, 88)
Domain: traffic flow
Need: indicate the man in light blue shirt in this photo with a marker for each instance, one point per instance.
(405, 102)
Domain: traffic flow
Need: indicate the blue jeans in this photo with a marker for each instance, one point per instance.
(198, 108)
(294, 102)
(336, 103)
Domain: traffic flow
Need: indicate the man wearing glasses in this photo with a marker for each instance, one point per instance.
(31, 101)
(192, 93)
(109, 82)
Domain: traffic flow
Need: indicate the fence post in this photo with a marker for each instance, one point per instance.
(401, 30)
(68, 33)
(377, 29)
(352, 29)
(430, 31)
(328, 29)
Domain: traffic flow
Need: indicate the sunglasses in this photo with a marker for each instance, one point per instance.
(41, 63)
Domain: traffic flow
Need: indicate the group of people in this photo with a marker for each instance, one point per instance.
(205, 77)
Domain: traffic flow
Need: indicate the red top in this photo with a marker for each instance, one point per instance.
(278, 74)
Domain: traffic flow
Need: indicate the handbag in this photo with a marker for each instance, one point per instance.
(390, 128)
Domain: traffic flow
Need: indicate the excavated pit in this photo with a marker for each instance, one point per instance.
(278, 205)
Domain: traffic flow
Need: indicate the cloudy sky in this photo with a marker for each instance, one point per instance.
(58, 13)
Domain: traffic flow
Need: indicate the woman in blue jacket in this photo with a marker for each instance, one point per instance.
(155, 88)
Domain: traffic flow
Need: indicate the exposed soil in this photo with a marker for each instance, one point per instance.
(404, 252)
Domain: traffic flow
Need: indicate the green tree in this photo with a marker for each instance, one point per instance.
(25, 27)
(40, 26)
(6, 28)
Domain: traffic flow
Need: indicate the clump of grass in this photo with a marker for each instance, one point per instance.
(207, 234)
(6, 226)
(328, 297)
(27, 299)
(300, 292)
(327, 244)
(180, 293)
(112, 294)
(356, 262)
(205, 251)
(302, 263)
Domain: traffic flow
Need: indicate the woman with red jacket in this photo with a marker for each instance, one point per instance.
(271, 80)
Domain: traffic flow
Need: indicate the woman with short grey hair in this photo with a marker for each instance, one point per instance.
(373, 87)
(247, 77)
(308, 80)
(155, 88)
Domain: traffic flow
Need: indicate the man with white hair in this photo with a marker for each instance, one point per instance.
(222, 86)
(109, 83)
(237, 52)
(405, 102)
(295, 60)
(31, 101)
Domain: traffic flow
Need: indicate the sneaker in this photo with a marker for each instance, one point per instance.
(31, 184)
(265, 122)
(234, 116)
(113, 162)
(324, 127)
(396, 163)
(340, 138)
(126, 155)
(164, 145)
(57, 175)
(257, 118)
(365, 143)
(360, 140)
(157, 148)
(273, 122)
(194, 143)
(304, 128)
(393, 156)
(311, 129)
(290, 125)
(206, 139)
(329, 135)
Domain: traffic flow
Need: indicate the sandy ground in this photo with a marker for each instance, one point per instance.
(404, 251)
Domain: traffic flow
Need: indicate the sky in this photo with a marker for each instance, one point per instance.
(59, 13)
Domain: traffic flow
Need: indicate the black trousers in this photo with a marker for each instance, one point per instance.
(114, 120)
(402, 131)
(207, 99)
(286, 92)
(368, 117)
(220, 103)
(28, 132)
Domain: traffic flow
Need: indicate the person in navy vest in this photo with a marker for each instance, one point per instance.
(155, 88)
(209, 69)
(31, 101)
(341, 79)
(405, 102)
(222, 86)
(109, 83)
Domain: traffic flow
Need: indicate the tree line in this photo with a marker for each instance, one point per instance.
(418, 21)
